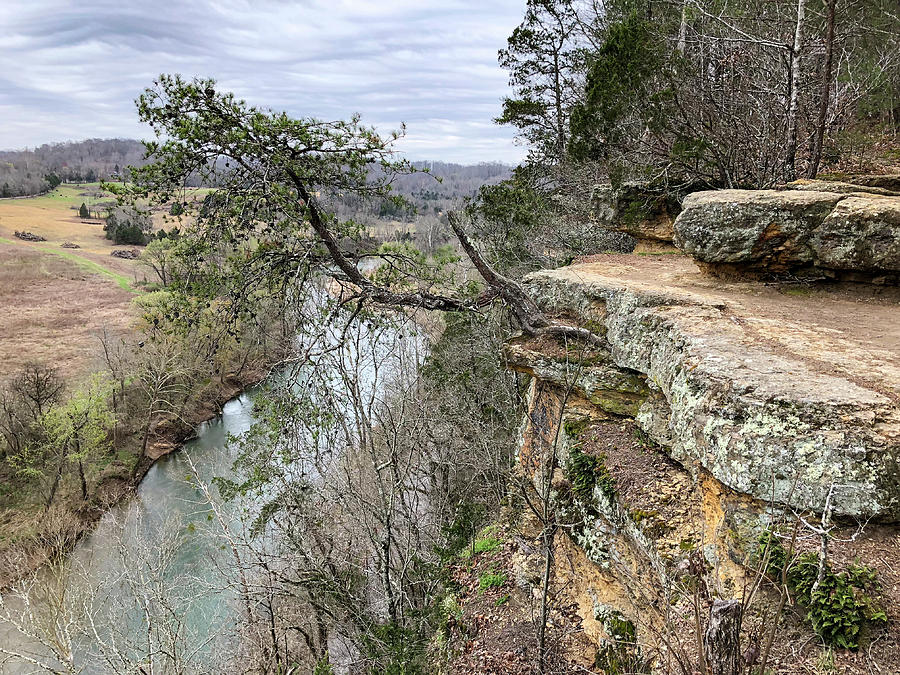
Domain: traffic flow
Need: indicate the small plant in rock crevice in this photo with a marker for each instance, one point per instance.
(620, 654)
(588, 471)
(837, 607)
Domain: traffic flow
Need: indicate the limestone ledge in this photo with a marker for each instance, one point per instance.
(765, 424)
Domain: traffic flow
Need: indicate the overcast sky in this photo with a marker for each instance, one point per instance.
(71, 69)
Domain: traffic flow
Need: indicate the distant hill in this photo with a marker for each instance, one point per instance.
(31, 172)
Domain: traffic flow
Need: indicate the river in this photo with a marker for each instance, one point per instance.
(169, 521)
(161, 558)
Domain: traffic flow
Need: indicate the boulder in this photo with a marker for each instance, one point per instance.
(860, 234)
(793, 232)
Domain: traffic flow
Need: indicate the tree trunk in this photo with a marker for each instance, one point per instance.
(682, 29)
(722, 641)
(84, 490)
(790, 155)
(825, 97)
(55, 485)
(548, 535)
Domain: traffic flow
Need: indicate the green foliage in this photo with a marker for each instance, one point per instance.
(323, 667)
(407, 267)
(72, 434)
(53, 180)
(83, 211)
(127, 226)
(509, 219)
(545, 60)
(489, 580)
(176, 209)
(837, 608)
(81, 424)
(617, 85)
(486, 545)
(620, 653)
(585, 472)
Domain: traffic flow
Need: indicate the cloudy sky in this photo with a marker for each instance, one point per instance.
(71, 69)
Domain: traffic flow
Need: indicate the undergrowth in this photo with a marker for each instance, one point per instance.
(839, 607)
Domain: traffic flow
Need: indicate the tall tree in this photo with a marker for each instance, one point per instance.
(546, 57)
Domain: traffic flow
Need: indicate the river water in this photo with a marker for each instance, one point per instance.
(160, 559)
(168, 527)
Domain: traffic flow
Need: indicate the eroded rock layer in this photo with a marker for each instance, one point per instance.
(845, 233)
(780, 397)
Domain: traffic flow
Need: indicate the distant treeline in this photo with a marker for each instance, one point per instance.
(30, 172)
(430, 191)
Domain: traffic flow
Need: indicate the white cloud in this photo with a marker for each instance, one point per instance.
(72, 70)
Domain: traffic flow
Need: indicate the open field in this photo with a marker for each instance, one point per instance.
(54, 301)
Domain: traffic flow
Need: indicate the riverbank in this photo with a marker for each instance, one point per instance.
(53, 533)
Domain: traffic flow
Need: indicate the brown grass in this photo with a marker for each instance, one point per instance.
(53, 311)
(52, 304)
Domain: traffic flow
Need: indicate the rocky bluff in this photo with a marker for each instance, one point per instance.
(720, 408)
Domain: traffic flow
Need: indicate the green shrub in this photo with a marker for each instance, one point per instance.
(837, 609)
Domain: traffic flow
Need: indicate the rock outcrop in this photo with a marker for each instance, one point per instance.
(770, 233)
(643, 213)
(712, 417)
(882, 181)
(839, 187)
(778, 398)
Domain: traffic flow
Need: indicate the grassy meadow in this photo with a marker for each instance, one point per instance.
(55, 301)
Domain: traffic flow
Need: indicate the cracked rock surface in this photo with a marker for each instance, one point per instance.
(780, 393)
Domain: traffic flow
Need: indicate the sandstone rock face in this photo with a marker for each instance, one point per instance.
(780, 398)
(770, 232)
(635, 211)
